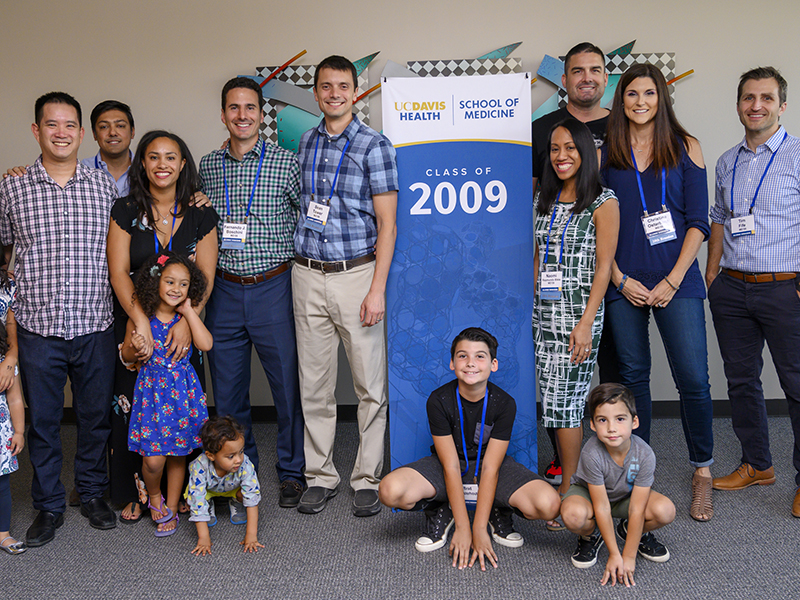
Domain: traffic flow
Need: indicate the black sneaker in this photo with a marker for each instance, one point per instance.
(585, 554)
(438, 522)
(502, 527)
(649, 547)
(553, 474)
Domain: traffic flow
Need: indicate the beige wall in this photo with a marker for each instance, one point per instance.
(169, 59)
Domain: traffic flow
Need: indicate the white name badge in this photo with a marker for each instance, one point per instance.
(741, 226)
(550, 288)
(659, 227)
(471, 494)
(234, 235)
(317, 216)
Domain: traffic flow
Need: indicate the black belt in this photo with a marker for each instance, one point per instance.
(254, 279)
(334, 266)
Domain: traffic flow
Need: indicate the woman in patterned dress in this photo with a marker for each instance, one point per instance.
(576, 233)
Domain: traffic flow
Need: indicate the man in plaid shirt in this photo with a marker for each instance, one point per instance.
(56, 216)
(255, 188)
(344, 243)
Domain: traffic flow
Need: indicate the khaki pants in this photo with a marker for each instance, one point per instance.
(326, 310)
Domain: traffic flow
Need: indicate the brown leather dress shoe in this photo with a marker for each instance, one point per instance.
(796, 504)
(745, 476)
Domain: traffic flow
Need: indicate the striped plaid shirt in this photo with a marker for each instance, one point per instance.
(368, 168)
(273, 213)
(775, 246)
(59, 235)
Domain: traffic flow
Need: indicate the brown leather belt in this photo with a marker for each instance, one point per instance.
(254, 279)
(759, 277)
(334, 267)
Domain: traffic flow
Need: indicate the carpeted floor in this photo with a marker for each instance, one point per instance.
(749, 550)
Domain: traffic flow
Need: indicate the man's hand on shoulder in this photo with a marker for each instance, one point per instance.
(200, 200)
(16, 171)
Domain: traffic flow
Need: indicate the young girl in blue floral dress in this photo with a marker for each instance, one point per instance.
(169, 405)
(12, 412)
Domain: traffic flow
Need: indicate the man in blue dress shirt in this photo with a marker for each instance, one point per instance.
(752, 272)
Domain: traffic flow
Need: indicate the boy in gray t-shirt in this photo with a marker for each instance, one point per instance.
(613, 480)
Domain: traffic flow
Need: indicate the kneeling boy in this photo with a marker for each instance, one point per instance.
(613, 480)
(445, 484)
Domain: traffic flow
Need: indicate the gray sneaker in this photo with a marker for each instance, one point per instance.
(238, 513)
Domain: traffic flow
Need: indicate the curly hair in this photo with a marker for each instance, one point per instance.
(218, 430)
(149, 277)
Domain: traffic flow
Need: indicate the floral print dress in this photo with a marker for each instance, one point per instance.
(169, 405)
(8, 463)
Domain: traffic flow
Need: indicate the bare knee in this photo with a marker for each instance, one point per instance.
(392, 492)
(536, 500)
(576, 513)
(660, 511)
(152, 465)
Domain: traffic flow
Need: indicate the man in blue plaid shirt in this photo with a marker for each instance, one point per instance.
(255, 188)
(57, 216)
(344, 243)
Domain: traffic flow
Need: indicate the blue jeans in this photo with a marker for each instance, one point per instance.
(45, 363)
(745, 315)
(241, 317)
(682, 327)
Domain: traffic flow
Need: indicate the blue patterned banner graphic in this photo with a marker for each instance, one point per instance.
(464, 254)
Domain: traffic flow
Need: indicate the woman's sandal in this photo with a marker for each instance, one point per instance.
(15, 548)
(702, 508)
(167, 515)
(142, 508)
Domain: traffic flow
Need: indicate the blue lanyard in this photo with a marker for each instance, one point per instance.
(335, 177)
(769, 164)
(171, 233)
(563, 233)
(641, 189)
(252, 192)
(96, 162)
(463, 435)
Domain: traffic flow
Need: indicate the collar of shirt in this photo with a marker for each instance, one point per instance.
(772, 143)
(348, 133)
(122, 184)
(39, 174)
(253, 153)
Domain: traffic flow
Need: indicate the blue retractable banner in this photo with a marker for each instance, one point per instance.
(464, 253)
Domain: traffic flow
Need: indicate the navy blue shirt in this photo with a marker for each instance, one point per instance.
(687, 201)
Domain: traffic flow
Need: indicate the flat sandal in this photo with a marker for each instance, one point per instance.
(15, 548)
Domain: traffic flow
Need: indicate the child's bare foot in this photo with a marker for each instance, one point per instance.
(169, 527)
(183, 507)
(160, 513)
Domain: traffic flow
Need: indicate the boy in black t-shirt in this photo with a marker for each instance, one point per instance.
(445, 485)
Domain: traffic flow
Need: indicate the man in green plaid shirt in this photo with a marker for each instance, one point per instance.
(255, 188)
